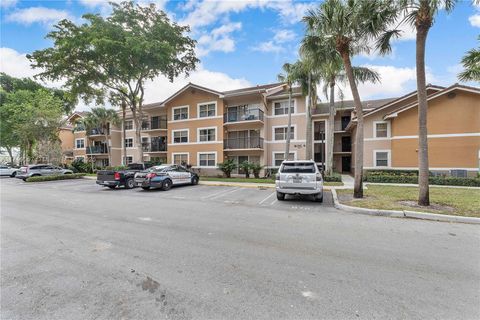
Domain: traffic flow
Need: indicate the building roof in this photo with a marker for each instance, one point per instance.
(259, 88)
(189, 85)
(323, 108)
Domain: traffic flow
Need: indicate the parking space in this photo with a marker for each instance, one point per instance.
(260, 197)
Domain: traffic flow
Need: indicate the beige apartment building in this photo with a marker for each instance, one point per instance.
(202, 127)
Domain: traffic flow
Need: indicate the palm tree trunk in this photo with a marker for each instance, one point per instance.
(108, 149)
(289, 127)
(10, 154)
(331, 129)
(423, 190)
(124, 133)
(358, 173)
(308, 138)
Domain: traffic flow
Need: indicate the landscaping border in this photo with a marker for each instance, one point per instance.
(403, 213)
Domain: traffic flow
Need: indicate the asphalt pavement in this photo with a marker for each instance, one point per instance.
(73, 250)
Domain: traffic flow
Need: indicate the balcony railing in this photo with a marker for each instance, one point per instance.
(249, 115)
(243, 143)
(97, 150)
(97, 131)
(154, 147)
(155, 124)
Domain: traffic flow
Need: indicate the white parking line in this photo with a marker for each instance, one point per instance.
(211, 196)
(266, 198)
(221, 195)
(273, 202)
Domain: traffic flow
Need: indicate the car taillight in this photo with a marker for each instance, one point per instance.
(319, 177)
(116, 176)
(277, 177)
(151, 175)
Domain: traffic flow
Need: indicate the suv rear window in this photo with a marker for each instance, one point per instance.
(298, 167)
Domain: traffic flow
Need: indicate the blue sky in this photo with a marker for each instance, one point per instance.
(243, 43)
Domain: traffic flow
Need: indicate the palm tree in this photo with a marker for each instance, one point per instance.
(420, 14)
(288, 77)
(349, 26)
(471, 63)
(104, 118)
(87, 123)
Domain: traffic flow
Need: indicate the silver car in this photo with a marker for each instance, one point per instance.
(7, 170)
(37, 170)
(299, 178)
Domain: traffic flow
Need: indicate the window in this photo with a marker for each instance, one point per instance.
(281, 108)
(129, 142)
(158, 160)
(278, 158)
(128, 124)
(129, 159)
(382, 158)
(104, 163)
(207, 159)
(207, 110)
(145, 144)
(180, 136)
(180, 158)
(206, 134)
(79, 143)
(381, 129)
(180, 113)
(280, 133)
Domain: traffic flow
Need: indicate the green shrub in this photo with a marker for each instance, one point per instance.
(116, 168)
(245, 166)
(391, 172)
(256, 168)
(334, 177)
(227, 167)
(78, 165)
(445, 181)
(56, 177)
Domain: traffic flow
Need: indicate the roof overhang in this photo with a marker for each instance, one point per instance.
(190, 85)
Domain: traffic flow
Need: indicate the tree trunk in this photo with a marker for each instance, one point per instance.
(10, 153)
(309, 138)
(124, 133)
(289, 126)
(331, 129)
(358, 184)
(423, 189)
(137, 119)
(108, 149)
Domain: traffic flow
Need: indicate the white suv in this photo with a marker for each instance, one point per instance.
(299, 177)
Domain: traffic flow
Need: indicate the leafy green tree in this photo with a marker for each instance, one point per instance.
(245, 166)
(227, 167)
(471, 64)
(256, 168)
(349, 27)
(112, 57)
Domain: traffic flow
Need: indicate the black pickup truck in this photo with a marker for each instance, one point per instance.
(117, 178)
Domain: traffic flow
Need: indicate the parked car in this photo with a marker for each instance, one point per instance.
(37, 170)
(119, 178)
(299, 178)
(165, 176)
(7, 170)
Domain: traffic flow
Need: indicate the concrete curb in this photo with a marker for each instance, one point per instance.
(403, 213)
(89, 177)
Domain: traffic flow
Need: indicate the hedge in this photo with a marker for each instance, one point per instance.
(56, 177)
(391, 172)
(446, 181)
(335, 177)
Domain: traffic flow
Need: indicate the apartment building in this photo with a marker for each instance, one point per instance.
(202, 127)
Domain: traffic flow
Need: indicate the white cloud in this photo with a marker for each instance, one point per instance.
(291, 11)
(218, 39)
(284, 35)
(42, 15)
(269, 46)
(8, 3)
(15, 64)
(475, 20)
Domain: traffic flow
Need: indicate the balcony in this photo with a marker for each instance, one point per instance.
(155, 147)
(155, 124)
(254, 114)
(243, 143)
(96, 150)
(97, 132)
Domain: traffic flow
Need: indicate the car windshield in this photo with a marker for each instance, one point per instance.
(298, 167)
(158, 168)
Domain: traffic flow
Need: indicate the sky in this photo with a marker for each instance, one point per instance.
(246, 42)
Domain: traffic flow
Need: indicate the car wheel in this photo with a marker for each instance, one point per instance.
(318, 197)
(68, 173)
(129, 184)
(167, 185)
(13, 174)
(195, 180)
(146, 188)
(280, 196)
(112, 187)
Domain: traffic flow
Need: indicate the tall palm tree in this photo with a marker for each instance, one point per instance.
(87, 123)
(471, 63)
(104, 118)
(349, 26)
(288, 78)
(420, 14)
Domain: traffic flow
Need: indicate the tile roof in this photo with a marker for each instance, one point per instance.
(349, 104)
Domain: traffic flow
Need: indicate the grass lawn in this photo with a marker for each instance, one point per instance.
(253, 180)
(453, 201)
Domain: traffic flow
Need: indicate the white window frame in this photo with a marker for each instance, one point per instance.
(125, 142)
(179, 154)
(294, 104)
(294, 126)
(206, 152)
(282, 152)
(206, 103)
(179, 130)
(133, 124)
(180, 107)
(207, 128)
(375, 129)
(78, 139)
(126, 160)
(389, 158)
